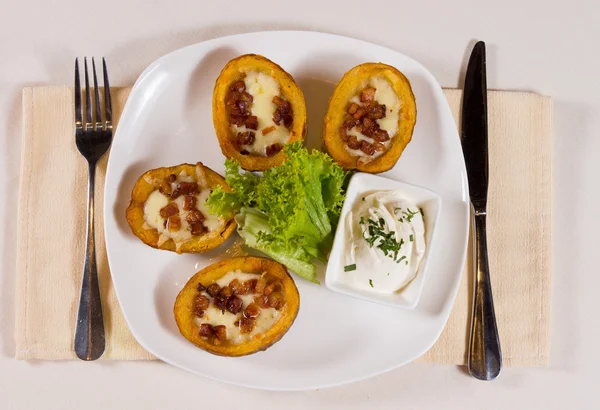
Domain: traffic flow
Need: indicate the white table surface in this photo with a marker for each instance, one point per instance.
(545, 46)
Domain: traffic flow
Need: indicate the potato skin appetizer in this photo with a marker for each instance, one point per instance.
(257, 109)
(167, 211)
(238, 306)
(370, 119)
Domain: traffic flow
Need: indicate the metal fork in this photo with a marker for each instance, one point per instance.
(93, 140)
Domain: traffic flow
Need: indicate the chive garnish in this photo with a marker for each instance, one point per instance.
(349, 268)
(411, 237)
(371, 283)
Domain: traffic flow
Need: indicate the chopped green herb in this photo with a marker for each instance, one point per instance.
(386, 241)
(349, 268)
(388, 274)
(409, 214)
(362, 220)
(371, 283)
(401, 259)
(406, 263)
(411, 237)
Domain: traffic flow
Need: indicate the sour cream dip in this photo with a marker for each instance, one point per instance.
(385, 242)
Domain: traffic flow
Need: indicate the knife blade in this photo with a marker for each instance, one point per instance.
(484, 355)
(475, 127)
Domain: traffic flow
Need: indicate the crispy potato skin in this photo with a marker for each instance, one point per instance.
(290, 91)
(143, 189)
(184, 315)
(351, 84)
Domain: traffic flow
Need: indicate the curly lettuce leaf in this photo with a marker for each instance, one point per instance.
(291, 210)
(254, 228)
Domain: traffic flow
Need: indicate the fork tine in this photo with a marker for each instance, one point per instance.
(88, 102)
(78, 112)
(98, 125)
(107, 100)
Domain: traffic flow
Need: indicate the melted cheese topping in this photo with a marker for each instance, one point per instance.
(213, 315)
(263, 88)
(156, 201)
(385, 95)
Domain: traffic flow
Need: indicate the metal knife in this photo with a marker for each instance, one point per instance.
(485, 357)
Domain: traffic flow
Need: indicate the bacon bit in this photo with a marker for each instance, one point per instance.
(368, 122)
(242, 108)
(170, 209)
(376, 111)
(236, 287)
(194, 216)
(171, 178)
(288, 120)
(262, 301)
(225, 291)
(188, 188)
(197, 228)
(165, 188)
(201, 302)
(261, 283)
(189, 202)
(367, 148)
(252, 310)
(244, 96)
(220, 332)
(368, 94)
(244, 152)
(277, 285)
(381, 135)
(231, 101)
(174, 223)
(245, 138)
(282, 105)
(359, 113)
(200, 287)
(252, 122)
(220, 302)
(237, 120)
(275, 301)
(273, 149)
(277, 117)
(368, 126)
(267, 130)
(206, 331)
(269, 289)
(353, 142)
(234, 305)
(198, 312)
(246, 325)
(250, 286)
(352, 108)
(349, 123)
(213, 290)
(343, 133)
(379, 147)
(238, 86)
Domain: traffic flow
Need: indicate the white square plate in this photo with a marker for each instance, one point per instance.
(168, 121)
(362, 184)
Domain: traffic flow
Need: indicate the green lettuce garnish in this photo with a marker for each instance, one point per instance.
(288, 213)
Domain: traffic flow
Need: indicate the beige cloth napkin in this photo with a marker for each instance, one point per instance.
(51, 227)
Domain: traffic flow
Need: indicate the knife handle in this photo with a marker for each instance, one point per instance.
(485, 357)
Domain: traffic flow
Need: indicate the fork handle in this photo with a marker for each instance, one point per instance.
(89, 332)
(485, 356)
